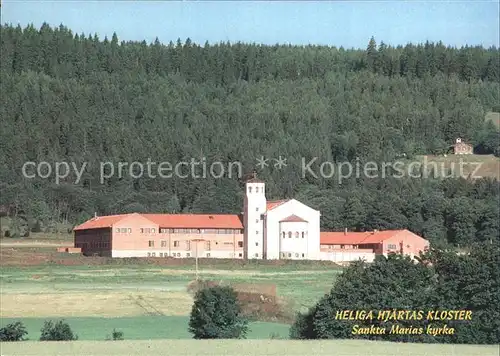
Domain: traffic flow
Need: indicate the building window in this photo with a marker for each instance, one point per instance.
(117, 230)
(256, 189)
(256, 232)
(240, 243)
(142, 230)
(290, 235)
(151, 243)
(149, 254)
(163, 243)
(256, 255)
(284, 234)
(178, 255)
(249, 189)
(176, 243)
(153, 230)
(153, 254)
(296, 255)
(391, 247)
(256, 209)
(297, 234)
(302, 255)
(257, 221)
(188, 255)
(208, 255)
(289, 255)
(188, 245)
(129, 230)
(303, 234)
(256, 244)
(161, 254)
(239, 255)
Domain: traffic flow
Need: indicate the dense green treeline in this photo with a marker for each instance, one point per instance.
(60, 53)
(84, 101)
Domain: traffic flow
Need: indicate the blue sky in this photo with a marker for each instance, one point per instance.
(338, 23)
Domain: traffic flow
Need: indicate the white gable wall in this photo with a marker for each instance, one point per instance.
(273, 237)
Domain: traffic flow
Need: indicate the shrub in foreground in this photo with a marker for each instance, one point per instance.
(442, 280)
(116, 335)
(216, 314)
(58, 331)
(13, 332)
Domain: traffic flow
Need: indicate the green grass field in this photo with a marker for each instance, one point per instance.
(143, 301)
(242, 348)
(141, 327)
(113, 291)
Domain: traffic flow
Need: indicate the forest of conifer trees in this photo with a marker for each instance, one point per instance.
(77, 98)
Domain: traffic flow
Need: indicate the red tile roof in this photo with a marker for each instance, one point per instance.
(356, 238)
(196, 221)
(101, 222)
(293, 218)
(181, 221)
(274, 203)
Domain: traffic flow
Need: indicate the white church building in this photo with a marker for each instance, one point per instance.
(279, 229)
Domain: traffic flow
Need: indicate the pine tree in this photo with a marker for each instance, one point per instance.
(372, 55)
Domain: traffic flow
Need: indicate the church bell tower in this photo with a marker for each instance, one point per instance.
(254, 210)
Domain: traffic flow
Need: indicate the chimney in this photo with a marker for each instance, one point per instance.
(374, 231)
(345, 231)
(95, 215)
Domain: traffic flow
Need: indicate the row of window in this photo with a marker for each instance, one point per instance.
(163, 243)
(297, 234)
(256, 190)
(148, 230)
(201, 231)
(284, 254)
(123, 230)
(178, 254)
(152, 230)
(331, 247)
